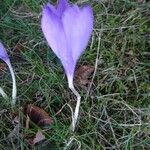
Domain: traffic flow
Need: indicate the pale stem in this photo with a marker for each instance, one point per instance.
(76, 112)
(14, 88)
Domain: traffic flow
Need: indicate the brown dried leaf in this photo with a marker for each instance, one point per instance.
(38, 138)
(83, 73)
(3, 67)
(38, 115)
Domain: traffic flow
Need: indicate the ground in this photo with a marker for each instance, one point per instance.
(115, 107)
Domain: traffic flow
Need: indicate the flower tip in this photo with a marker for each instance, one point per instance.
(89, 10)
(45, 7)
(3, 53)
(49, 10)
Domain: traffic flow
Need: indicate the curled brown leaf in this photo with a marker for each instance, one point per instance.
(38, 115)
(83, 73)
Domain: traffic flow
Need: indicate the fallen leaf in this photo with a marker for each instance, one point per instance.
(83, 73)
(38, 138)
(3, 67)
(38, 115)
(16, 120)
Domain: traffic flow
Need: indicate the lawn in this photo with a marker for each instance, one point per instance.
(115, 106)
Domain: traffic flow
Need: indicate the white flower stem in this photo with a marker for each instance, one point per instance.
(76, 112)
(14, 88)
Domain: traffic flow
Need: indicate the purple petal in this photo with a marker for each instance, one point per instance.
(52, 28)
(78, 26)
(62, 6)
(67, 30)
(3, 53)
(53, 31)
(52, 8)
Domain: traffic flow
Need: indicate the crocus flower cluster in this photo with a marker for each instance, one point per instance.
(67, 29)
(4, 56)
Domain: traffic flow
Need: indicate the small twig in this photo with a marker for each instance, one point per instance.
(96, 65)
(113, 132)
(70, 141)
(27, 122)
(59, 111)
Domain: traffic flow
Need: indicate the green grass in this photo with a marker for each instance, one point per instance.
(115, 108)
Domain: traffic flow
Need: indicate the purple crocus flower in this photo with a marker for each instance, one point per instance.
(4, 56)
(67, 29)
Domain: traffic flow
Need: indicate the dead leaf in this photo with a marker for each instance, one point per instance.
(83, 73)
(38, 115)
(16, 120)
(3, 67)
(38, 138)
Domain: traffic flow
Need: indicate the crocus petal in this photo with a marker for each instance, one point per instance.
(3, 53)
(67, 30)
(52, 28)
(52, 8)
(78, 25)
(53, 31)
(62, 6)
